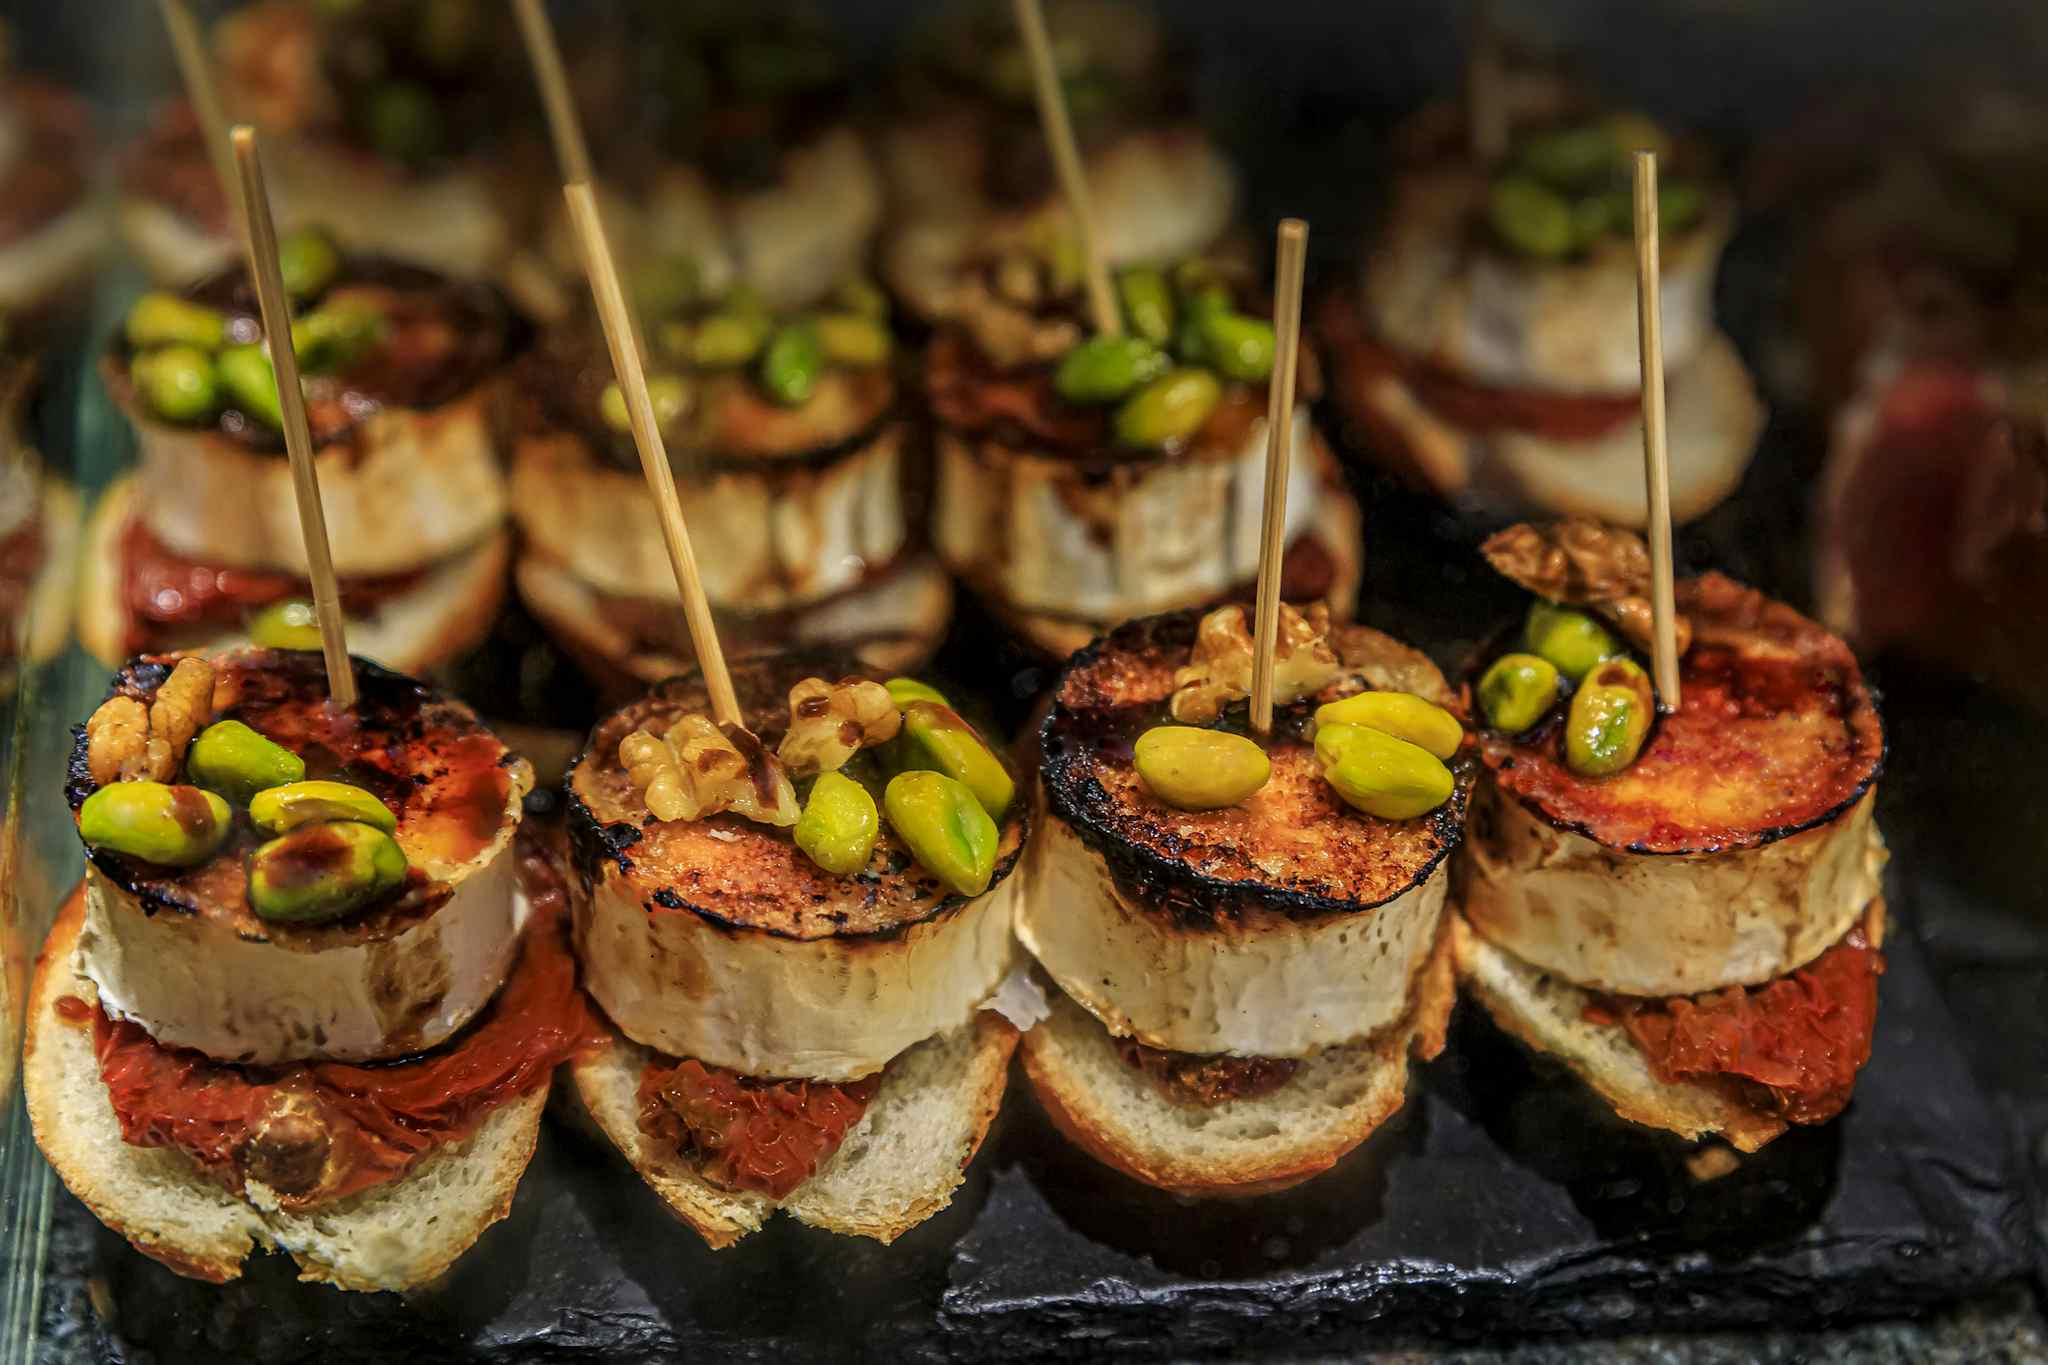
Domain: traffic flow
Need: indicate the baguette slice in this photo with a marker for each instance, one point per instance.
(1334, 1102)
(897, 1167)
(1547, 1013)
(396, 1236)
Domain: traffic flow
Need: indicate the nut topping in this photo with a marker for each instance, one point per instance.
(128, 744)
(830, 722)
(1219, 671)
(1587, 564)
(696, 769)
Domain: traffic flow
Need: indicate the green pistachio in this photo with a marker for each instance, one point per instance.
(1196, 769)
(251, 384)
(178, 383)
(1680, 204)
(904, 691)
(1572, 158)
(1609, 719)
(947, 828)
(1147, 304)
(169, 826)
(668, 394)
(853, 339)
(1103, 369)
(1573, 640)
(161, 319)
(401, 122)
(839, 825)
(861, 295)
(1531, 218)
(309, 260)
(1382, 775)
(319, 873)
(230, 758)
(666, 284)
(287, 806)
(1517, 690)
(328, 340)
(1169, 410)
(791, 364)
(1600, 214)
(725, 340)
(935, 737)
(286, 625)
(1236, 346)
(1400, 714)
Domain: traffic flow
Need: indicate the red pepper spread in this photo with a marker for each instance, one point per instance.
(1794, 1044)
(1359, 361)
(1192, 1078)
(164, 588)
(321, 1131)
(749, 1134)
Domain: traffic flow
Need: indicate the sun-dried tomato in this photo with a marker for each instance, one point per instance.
(748, 1133)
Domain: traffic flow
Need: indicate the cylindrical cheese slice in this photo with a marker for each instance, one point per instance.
(1664, 924)
(829, 1009)
(1260, 984)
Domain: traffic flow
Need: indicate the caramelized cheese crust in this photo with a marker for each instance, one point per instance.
(1777, 734)
(732, 871)
(1295, 846)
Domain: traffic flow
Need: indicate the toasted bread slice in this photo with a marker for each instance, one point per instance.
(897, 1167)
(1335, 1101)
(431, 623)
(1548, 1014)
(394, 1237)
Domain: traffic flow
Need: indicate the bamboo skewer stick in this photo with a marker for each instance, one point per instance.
(618, 335)
(1066, 158)
(197, 73)
(1293, 254)
(261, 234)
(1486, 121)
(1656, 456)
(571, 151)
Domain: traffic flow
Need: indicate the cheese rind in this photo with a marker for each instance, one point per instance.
(830, 1009)
(1664, 924)
(193, 981)
(1260, 985)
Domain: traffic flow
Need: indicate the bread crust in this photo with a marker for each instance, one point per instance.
(966, 1071)
(132, 1189)
(1546, 1014)
(1373, 1075)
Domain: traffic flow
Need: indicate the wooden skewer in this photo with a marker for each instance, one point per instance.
(618, 335)
(571, 151)
(197, 72)
(1293, 255)
(261, 235)
(1486, 118)
(1656, 457)
(1066, 158)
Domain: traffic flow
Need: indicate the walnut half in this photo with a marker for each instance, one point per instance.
(831, 722)
(1219, 671)
(695, 769)
(1584, 564)
(124, 742)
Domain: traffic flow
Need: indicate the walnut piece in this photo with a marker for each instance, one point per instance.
(831, 722)
(1219, 671)
(124, 742)
(1586, 564)
(696, 769)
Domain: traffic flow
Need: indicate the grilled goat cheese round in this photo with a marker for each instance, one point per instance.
(1738, 846)
(180, 952)
(718, 939)
(1278, 927)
